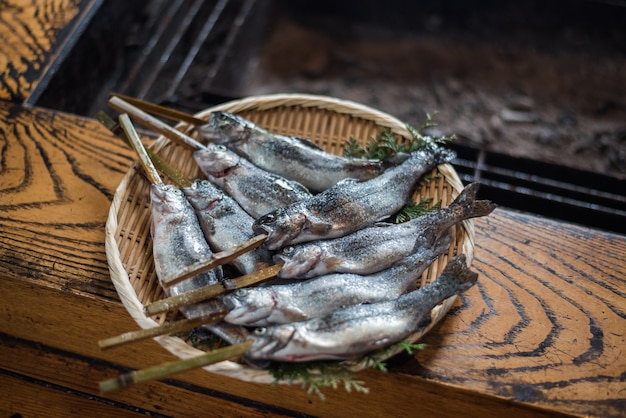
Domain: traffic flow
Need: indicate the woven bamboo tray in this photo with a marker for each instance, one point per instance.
(329, 122)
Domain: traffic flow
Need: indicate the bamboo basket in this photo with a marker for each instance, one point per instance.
(329, 122)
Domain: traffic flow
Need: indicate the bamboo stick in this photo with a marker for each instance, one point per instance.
(167, 369)
(151, 122)
(168, 328)
(159, 110)
(163, 166)
(217, 259)
(144, 158)
(211, 291)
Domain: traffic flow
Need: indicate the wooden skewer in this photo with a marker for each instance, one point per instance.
(211, 291)
(153, 123)
(144, 159)
(167, 369)
(163, 166)
(159, 110)
(216, 259)
(168, 328)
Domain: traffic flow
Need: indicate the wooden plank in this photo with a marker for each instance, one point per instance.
(84, 320)
(25, 398)
(60, 174)
(547, 322)
(58, 370)
(31, 33)
(542, 328)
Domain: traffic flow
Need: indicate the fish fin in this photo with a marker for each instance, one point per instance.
(308, 143)
(395, 159)
(458, 270)
(468, 194)
(482, 208)
(293, 314)
(442, 244)
(317, 226)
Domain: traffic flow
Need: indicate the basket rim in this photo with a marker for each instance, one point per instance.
(177, 346)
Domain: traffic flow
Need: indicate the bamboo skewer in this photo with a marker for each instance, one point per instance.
(167, 369)
(208, 292)
(137, 145)
(217, 259)
(170, 368)
(161, 165)
(168, 328)
(153, 123)
(163, 111)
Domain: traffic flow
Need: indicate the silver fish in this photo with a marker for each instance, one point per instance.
(294, 158)
(257, 191)
(225, 224)
(349, 205)
(299, 301)
(351, 332)
(375, 248)
(178, 241)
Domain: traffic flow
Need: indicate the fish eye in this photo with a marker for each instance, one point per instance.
(288, 251)
(241, 292)
(204, 182)
(220, 148)
(260, 331)
(270, 217)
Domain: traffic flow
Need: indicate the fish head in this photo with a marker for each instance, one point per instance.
(298, 260)
(216, 160)
(282, 226)
(203, 195)
(248, 306)
(224, 127)
(166, 199)
(267, 340)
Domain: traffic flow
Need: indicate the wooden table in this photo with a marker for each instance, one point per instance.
(542, 334)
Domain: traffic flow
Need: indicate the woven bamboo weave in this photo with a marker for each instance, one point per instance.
(329, 122)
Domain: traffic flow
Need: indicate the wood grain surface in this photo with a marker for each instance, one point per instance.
(31, 34)
(540, 335)
(546, 323)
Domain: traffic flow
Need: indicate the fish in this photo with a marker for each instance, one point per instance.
(350, 204)
(294, 158)
(375, 248)
(256, 190)
(350, 333)
(178, 241)
(302, 300)
(225, 224)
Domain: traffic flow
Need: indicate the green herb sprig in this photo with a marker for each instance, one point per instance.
(316, 375)
(386, 143)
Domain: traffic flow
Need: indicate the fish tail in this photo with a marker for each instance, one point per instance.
(469, 206)
(458, 275)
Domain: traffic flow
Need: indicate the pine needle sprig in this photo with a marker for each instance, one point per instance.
(386, 143)
(413, 210)
(313, 376)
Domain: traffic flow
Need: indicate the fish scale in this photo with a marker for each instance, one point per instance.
(292, 157)
(178, 241)
(351, 332)
(376, 247)
(350, 204)
(254, 189)
(225, 224)
(298, 301)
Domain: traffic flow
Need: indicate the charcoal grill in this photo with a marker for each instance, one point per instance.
(191, 54)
